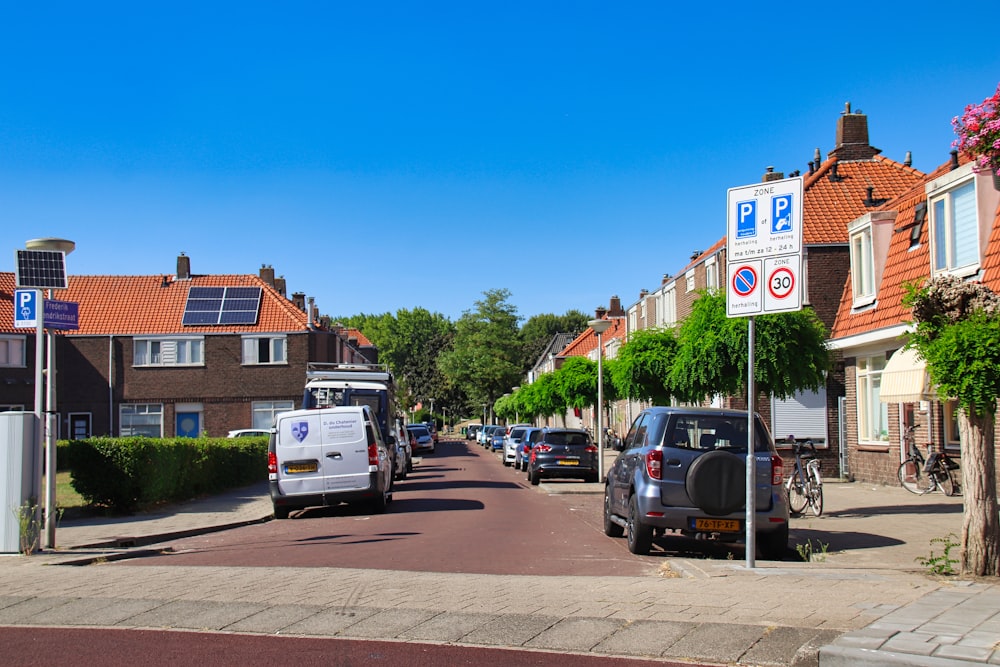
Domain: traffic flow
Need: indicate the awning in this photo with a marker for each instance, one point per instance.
(905, 379)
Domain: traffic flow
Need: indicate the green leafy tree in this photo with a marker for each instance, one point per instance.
(484, 359)
(713, 353)
(538, 330)
(542, 397)
(642, 368)
(958, 334)
(577, 382)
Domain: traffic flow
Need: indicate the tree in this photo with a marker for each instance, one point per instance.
(642, 367)
(538, 330)
(713, 353)
(958, 334)
(577, 382)
(484, 357)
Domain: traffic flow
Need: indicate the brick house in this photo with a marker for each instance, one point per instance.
(179, 354)
(852, 180)
(949, 222)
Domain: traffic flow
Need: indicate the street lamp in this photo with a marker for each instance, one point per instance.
(599, 327)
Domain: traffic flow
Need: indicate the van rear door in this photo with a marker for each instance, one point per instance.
(321, 451)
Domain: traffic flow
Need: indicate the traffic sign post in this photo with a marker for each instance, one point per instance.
(764, 261)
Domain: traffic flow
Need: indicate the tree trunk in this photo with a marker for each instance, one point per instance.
(980, 552)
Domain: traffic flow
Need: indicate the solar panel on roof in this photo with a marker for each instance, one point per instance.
(221, 305)
(41, 269)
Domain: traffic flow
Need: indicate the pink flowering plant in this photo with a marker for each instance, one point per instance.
(978, 131)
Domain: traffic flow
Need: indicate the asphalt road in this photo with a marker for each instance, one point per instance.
(459, 511)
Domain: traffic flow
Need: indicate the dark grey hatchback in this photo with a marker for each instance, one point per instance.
(563, 452)
(684, 470)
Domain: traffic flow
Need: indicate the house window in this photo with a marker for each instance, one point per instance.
(955, 230)
(862, 267)
(873, 415)
(951, 436)
(264, 350)
(168, 351)
(689, 280)
(669, 309)
(141, 419)
(79, 425)
(264, 412)
(12, 351)
(711, 274)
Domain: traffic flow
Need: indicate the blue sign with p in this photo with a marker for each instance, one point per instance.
(746, 219)
(781, 214)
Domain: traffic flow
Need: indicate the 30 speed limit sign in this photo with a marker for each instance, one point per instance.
(784, 291)
(781, 282)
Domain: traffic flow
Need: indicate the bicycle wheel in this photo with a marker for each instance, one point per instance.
(913, 478)
(946, 482)
(797, 499)
(815, 491)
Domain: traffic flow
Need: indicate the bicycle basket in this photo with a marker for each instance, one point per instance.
(950, 464)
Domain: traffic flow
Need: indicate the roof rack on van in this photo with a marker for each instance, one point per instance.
(316, 370)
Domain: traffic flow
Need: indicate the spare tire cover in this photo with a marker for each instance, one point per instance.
(716, 482)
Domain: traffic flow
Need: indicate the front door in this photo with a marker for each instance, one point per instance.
(188, 424)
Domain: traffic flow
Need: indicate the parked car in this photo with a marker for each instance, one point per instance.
(423, 437)
(432, 427)
(531, 436)
(482, 433)
(472, 430)
(486, 434)
(404, 452)
(563, 452)
(249, 433)
(326, 457)
(511, 442)
(497, 436)
(684, 470)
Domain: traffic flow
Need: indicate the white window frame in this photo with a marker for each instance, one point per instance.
(159, 351)
(873, 415)
(952, 207)
(13, 351)
(862, 266)
(265, 411)
(689, 280)
(139, 415)
(277, 350)
(711, 273)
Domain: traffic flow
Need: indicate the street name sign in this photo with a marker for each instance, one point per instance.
(764, 248)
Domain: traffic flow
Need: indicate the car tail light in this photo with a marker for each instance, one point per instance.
(541, 448)
(372, 454)
(272, 463)
(654, 464)
(591, 449)
(777, 470)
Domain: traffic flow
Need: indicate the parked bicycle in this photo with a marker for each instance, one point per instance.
(919, 475)
(805, 485)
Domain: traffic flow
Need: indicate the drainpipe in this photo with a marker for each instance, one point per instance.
(111, 386)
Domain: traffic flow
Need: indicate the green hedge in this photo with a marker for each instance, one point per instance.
(126, 474)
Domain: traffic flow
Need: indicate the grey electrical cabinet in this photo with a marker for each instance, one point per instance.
(19, 454)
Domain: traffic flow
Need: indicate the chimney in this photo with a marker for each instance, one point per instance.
(299, 299)
(771, 175)
(833, 175)
(267, 274)
(817, 161)
(313, 312)
(279, 284)
(695, 254)
(908, 160)
(954, 160)
(324, 322)
(600, 312)
(615, 309)
(852, 137)
(183, 267)
(643, 293)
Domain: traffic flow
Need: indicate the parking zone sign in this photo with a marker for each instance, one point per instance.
(26, 309)
(764, 248)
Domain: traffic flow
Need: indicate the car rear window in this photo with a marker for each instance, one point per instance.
(562, 438)
(418, 431)
(517, 434)
(711, 432)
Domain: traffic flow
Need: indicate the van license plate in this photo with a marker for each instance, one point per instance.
(718, 525)
(292, 468)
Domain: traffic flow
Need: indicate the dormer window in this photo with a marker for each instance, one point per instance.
(862, 266)
(954, 224)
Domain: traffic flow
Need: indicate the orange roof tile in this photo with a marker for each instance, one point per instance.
(129, 305)
(358, 336)
(828, 206)
(586, 342)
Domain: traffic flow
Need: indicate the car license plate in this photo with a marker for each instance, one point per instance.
(718, 525)
(568, 462)
(293, 468)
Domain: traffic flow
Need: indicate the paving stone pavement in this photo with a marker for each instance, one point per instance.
(862, 602)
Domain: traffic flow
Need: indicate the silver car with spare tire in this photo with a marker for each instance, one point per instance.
(683, 470)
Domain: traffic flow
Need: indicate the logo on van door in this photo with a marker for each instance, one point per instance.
(300, 430)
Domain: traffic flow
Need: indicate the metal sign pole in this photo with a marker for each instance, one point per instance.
(751, 508)
(51, 429)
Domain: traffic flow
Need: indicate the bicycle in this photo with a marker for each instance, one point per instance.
(918, 475)
(805, 485)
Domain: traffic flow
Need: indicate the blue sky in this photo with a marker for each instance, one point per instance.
(386, 155)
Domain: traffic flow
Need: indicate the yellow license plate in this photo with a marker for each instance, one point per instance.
(717, 525)
(293, 468)
(565, 462)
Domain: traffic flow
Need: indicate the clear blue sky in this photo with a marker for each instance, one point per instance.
(384, 155)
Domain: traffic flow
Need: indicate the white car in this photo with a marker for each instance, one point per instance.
(511, 442)
(249, 433)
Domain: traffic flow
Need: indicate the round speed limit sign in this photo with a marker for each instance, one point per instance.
(781, 282)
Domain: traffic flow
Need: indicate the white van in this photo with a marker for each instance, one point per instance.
(327, 457)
